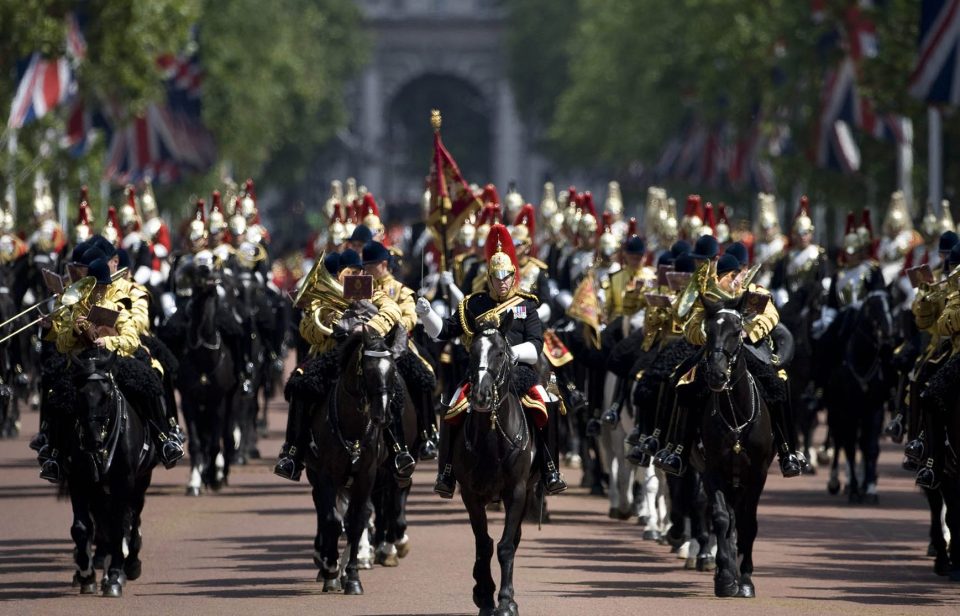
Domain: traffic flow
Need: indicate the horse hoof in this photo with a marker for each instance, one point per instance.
(941, 566)
(651, 535)
(706, 563)
(364, 563)
(87, 584)
(747, 591)
(132, 569)
(509, 610)
(111, 588)
(352, 587)
(833, 486)
(824, 457)
(731, 589)
(691, 563)
(331, 585)
(403, 547)
(191, 491)
(387, 557)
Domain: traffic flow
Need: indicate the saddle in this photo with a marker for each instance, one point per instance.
(776, 349)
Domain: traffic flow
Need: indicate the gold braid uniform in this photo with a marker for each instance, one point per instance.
(757, 328)
(948, 323)
(624, 300)
(403, 296)
(316, 324)
(927, 307)
(69, 339)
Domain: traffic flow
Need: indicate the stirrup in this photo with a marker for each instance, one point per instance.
(170, 451)
(51, 471)
(404, 464)
(790, 465)
(635, 437)
(927, 477)
(553, 482)
(914, 449)
(611, 416)
(446, 483)
(288, 468)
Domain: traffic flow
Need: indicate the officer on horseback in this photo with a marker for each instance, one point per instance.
(324, 312)
(757, 330)
(525, 336)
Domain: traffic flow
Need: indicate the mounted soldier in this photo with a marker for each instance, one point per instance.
(525, 335)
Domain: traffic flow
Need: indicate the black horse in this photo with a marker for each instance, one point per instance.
(493, 457)
(207, 380)
(9, 409)
(737, 438)
(113, 456)
(346, 451)
(859, 386)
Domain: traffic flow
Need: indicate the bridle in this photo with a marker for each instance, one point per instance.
(354, 448)
(499, 383)
(733, 356)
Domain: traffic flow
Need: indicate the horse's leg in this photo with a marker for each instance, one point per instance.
(191, 416)
(938, 543)
(725, 579)
(132, 566)
(700, 525)
(871, 425)
(329, 528)
(402, 541)
(514, 506)
(483, 587)
(82, 533)
(746, 535)
(950, 489)
(119, 522)
(355, 522)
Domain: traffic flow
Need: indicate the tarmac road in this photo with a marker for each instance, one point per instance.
(248, 550)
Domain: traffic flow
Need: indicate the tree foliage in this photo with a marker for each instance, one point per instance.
(638, 71)
(273, 91)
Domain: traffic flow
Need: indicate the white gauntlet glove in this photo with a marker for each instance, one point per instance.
(524, 353)
(456, 295)
(432, 323)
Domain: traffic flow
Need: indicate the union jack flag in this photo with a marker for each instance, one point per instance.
(935, 78)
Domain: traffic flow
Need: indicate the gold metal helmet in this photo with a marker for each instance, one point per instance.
(237, 225)
(466, 235)
(548, 204)
(336, 196)
(500, 255)
(929, 224)
(608, 244)
(614, 202)
(587, 227)
(148, 202)
(946, 218)
(8, 248)
(43, 200)
(768, 220)
(555, 224)
(803, 224)
(897, 219)
(513, 202)
(351, 194)
(128, 211)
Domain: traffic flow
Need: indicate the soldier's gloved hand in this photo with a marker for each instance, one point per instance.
(446, 278)
(423, 306)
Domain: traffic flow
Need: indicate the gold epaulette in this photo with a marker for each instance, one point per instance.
(527, 295)
(537, 262)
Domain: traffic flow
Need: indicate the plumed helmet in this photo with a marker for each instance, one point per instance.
(129, 218)
(500, 255)
(709, 221)
(466, 235)
(337, 228)
(608, 244)
(111, 230)
(588, 223)
(898, 216)
(692, 220)
(802, 223)
(148, 202)
(198, 225)
(946, 218)
(82, 231)
(614, 202)
(524, 226)
(865, 230)
(370, 214)
(513, 202)
(852, 243)
(217, 221)
(723, 224)
(548, 204)
(929, 224)
(767, 221)
(248, 201)
(336, 195)
(42, 200)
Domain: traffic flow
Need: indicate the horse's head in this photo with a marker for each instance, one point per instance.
(96, 397)
(724, 329)
(490, 362)
(377, 372)
(875, 313)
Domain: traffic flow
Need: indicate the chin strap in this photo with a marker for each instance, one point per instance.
(525, 352)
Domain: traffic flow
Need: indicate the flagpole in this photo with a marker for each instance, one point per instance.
(445, 206)
(934, 158)
(905, 161)
(11, 195)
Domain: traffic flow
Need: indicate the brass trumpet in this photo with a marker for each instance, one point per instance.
(77, 292)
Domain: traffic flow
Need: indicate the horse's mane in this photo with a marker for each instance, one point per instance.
(348, 346)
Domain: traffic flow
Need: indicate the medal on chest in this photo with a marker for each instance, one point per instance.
(520, 312)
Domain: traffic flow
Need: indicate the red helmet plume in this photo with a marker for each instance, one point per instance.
(369, 206)
(586, 204)
(490, 195)
(200, 213)
(693, 207)
(632, 227)
(709, 219)
(499, 242)
(215, 204)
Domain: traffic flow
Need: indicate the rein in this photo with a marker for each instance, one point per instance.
(875, 368)
(353, 448)
(500, 382)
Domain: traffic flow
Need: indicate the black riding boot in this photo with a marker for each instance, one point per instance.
(446, 482)
(290, 462)
(403, 462)
(428, 435)
(790, 464)
(169, 443)
(675, 462)
(553, 482)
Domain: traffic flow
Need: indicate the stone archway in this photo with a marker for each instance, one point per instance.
(468, 116)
